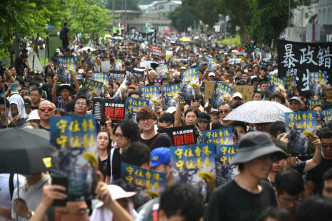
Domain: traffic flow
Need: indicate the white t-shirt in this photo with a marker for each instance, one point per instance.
(5, 199)
(32, 196)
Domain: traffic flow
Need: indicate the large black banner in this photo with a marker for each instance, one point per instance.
(141, 37)
(295, 58)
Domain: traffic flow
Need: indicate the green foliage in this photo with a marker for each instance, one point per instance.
(29, 18)
(190, 10)
(122, 5)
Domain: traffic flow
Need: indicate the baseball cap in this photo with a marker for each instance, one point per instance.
(205, 117)
(237, 94)
(296, 99)
(211, 74)
(57, 50)
(160, 155)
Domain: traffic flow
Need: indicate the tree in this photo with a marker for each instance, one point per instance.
(239, 13)
(181, 18)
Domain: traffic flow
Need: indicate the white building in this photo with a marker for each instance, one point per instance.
(158, 10)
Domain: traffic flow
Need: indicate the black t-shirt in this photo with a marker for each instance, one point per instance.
(116, 165)
(103, 166)
(316, 174)
(161, 141)
(65, 31)
(41, 127)
(231, 202)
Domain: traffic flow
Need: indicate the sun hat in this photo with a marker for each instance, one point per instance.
(64, 86)
(204, 117)
(257, 144)
(33, 116)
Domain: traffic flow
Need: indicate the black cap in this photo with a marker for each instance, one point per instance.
(205, 117)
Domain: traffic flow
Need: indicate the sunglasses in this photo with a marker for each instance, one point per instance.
(157, 81)
(48, 109)
(81, 103)
(223, 111)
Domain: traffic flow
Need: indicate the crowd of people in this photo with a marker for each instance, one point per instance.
(271, 185)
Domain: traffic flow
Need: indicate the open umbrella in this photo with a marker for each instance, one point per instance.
(108, 36)
(255, 112)
(184, 39)
(24, 150)
(86, 49)
(117, 38)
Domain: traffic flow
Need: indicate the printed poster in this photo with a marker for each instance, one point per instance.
(104, 108)
(183, 135)
(300, 125)
(317, 83)
(168, 95)
(194, 165)
(133, 105)
(222, 136)
(101, 77)
(220, 93)
(75, 146)
(326, 117)
(67, 67)
(147, 183)
(224, 156)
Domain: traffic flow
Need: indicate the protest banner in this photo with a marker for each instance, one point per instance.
(75, 145)
(183, 135)
(137, 74)
(290, 80)
(301, 59)
(275, 84)
(246, 91)
(326, 117)
(105, 66)
(211, 64)
(224, 156)
(208, 88)
(117, 64)
(189, 84)
(300, 125)
(156, 51)
(147, 184)
(312, 103)
(194, 165)
(220, 93)
(168, 95)
(93, 85)
(151, 93)
(161, 70)
(104, 108)
(133, 105)
(141, 37)
(317, 83)
(168, 54)
(220, 136)
(117, 75)
(101, 77)
(67, 66)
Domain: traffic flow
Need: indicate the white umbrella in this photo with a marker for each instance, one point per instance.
(259, 112)
(86, 49)
(117, 38)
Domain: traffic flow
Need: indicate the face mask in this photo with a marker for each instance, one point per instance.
(40, 84)
(52, 68)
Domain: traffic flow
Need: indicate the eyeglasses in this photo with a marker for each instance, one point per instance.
(223, 111)
(80, 103)
(119, 135)
(44, 109)
(325, 146)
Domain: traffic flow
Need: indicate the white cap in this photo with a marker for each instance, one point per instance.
(237, 94)
(171, 110)
(80, 71)
(57, 50)
(211, 74)
(33, 115)
(116, 192)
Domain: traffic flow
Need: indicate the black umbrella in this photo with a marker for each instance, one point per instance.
(22, 150)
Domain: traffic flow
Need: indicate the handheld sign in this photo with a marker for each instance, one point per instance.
(183, 135)
(224, 156)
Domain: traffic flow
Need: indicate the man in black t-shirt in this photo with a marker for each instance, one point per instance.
(244, 198)
(315, 176)
(147, 118)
